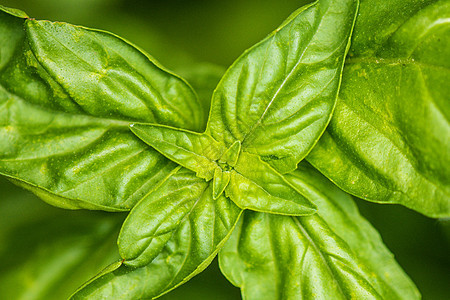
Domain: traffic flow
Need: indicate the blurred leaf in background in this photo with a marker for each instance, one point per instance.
(50, 251)
(421, 245)
(36, 237)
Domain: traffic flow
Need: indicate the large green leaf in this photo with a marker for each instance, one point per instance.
(248, 181)
(182, 200)
(99, 70)
(389, 139)
(171, 236)
(50, 252)
(277, 98)
(67, 97)
(335, 254)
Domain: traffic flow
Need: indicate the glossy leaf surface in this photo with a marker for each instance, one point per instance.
(183, 200)
(173, 234)
(67, 97)
(277, 98)
(388, 140)
(108, 77)
(50, 252)
(334, 254)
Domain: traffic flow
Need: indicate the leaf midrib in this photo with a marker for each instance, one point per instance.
(111, 121)
(118, 122)
(259, 121)
(100, 71)
(60, 85)
(318, 250)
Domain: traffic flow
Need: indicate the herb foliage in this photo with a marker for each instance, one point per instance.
(89, 121)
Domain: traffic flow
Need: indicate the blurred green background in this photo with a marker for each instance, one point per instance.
(180, 34)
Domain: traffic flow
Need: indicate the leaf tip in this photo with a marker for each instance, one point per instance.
(14, 12)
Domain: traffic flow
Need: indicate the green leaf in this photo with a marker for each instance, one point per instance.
(220, 182)
(249, 182)
(277, 98)
(388, 140)
(49, 260)
(257, 186)
(67, 97)
(334, 254)
(230, 157)
(99, 70)
(11, 34)
(194, 151)
(226, 164)
(173, 234)
(14, 12)
(181, 201)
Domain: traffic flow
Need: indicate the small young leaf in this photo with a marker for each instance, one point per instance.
(67, 97)
(231, 156)
(277, 98)
(388, 140)
(14, 12)
(187, 240)
(334, 254)
(194, 151)
(220, 181)
(257, 186)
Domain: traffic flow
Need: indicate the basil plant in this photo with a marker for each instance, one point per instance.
(342, 99)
